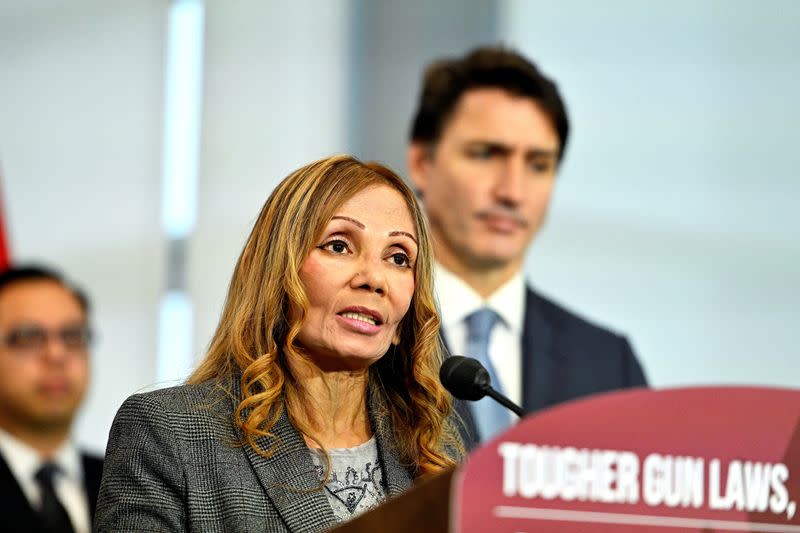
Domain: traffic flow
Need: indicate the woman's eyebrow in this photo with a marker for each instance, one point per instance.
(362, 226)
(404, 233)
(354, 221)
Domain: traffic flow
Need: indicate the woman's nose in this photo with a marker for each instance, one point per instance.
(370, 275)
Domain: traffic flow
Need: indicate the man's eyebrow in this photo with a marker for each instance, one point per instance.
(403, 233)
(491, 145)
(505, 149)
(538, 152)
(354, 221)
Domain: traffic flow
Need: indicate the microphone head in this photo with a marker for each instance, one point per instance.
(465, 378)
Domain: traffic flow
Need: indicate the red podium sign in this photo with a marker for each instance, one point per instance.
(698, 459)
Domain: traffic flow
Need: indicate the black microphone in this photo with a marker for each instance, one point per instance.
(467, 379)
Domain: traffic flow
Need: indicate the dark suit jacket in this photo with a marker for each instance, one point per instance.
(20, 516)
(564, 357)
(173, 464)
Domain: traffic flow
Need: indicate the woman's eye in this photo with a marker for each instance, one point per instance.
(401, 259)
(337, 247)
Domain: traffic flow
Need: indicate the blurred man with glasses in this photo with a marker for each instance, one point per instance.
(46, 483)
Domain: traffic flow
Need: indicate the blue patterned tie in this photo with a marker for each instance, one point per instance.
(490, 417)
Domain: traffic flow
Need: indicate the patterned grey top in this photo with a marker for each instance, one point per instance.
(356, 481)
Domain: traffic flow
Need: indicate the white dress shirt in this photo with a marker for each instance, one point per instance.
(457, 301)
(24, 462)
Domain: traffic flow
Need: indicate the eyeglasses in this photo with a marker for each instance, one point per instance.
(34, 338)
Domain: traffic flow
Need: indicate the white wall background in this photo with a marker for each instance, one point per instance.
(275, 99)
(80, 120)
(675, 214)
(673, 218)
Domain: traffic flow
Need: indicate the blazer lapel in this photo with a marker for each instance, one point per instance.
(22, 517)
(397, 476)
(540, 368)
(288, 476)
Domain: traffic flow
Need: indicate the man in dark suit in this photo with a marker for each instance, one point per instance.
(46, 483)
(486, 141)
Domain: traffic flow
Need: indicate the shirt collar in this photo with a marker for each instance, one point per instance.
(24, 461)
(457, 300)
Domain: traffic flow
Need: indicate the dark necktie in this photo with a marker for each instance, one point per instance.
(54, 517)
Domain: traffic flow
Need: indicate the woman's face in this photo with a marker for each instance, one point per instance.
(359, 279)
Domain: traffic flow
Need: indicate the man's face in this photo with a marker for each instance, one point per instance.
(486, 184)
(41, 383)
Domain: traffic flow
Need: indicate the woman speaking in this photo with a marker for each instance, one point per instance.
(319, 396)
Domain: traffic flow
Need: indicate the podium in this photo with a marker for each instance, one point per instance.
(701, 460)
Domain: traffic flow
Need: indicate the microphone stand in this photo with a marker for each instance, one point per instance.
(505, 402)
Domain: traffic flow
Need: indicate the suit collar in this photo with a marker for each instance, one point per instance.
(287, 475)
(541, 372)
(23, 517)
(398, 476)
(24, 461)
(290, 479)
(461, 300)
(541, 369)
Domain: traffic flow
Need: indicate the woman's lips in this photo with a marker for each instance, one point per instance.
(359, 324)
(361, 319)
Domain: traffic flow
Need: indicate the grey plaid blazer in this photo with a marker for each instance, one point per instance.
(172, 464)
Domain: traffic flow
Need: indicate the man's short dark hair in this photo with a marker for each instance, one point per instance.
(22, 273)
(485, 67)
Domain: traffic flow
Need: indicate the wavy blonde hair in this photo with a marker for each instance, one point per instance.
(256, 332)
